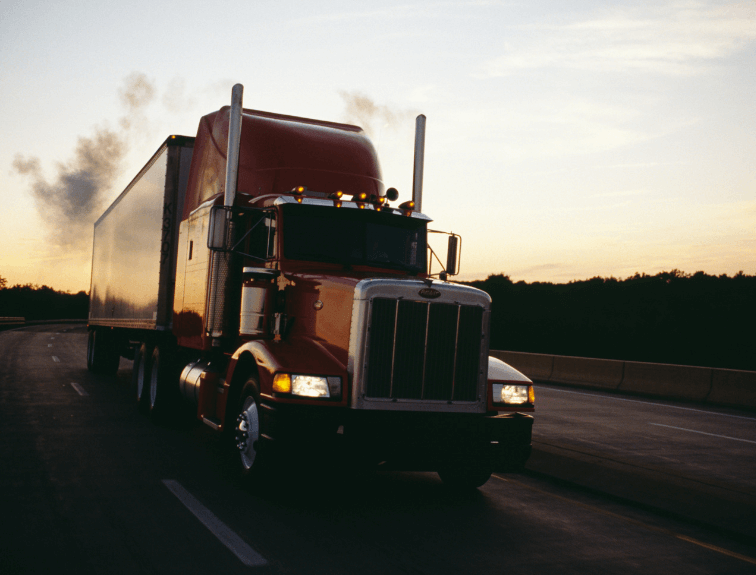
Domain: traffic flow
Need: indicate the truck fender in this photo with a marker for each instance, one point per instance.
(295, 355)
(252, 358)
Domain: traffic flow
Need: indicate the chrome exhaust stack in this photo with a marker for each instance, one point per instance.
(417, 176)
(234, 138)
(220, 275)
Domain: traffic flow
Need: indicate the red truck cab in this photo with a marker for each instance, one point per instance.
(304, 316)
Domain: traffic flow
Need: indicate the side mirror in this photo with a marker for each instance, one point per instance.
(452, 255)
(218, 228)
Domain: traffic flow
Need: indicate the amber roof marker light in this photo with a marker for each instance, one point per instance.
(299, 192)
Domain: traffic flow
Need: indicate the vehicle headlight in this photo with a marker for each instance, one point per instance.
(307, 385)
(511, 394)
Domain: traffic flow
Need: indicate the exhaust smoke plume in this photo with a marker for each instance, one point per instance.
(71, 203)
(372, 117)
(136, 93)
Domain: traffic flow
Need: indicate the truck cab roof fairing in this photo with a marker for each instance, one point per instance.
(280, 152)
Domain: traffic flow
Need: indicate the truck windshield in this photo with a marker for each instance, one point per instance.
(350, 236)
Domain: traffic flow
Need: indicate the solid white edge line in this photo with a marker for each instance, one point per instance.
(56, 359)
(80, 390)
(235, 544)
(702, 432)
(644, 402)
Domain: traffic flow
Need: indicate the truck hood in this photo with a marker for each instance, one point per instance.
(321, 305)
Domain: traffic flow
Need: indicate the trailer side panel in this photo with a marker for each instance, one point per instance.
(134, 253)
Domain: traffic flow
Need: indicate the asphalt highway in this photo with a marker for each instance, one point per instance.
(689, 460)
(616, 484)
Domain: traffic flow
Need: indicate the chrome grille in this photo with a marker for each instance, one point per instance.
(423, 350)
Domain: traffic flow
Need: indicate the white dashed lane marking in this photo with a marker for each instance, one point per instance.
(80, 390)
(225, 535)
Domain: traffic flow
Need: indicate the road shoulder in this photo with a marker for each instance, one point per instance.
(727, 510)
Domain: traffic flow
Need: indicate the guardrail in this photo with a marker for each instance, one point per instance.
(14, 322)
(703, 384)
(11, 322)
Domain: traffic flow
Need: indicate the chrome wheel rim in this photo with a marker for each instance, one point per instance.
(248, 432)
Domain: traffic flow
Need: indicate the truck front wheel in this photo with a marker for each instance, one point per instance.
(248, 431)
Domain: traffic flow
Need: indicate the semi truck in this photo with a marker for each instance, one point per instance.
(259, 274)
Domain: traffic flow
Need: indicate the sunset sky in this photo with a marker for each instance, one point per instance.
(565, 140)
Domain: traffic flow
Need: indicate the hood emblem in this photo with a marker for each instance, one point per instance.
(429, 293)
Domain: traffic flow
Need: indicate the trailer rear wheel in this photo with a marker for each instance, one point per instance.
(102, 352)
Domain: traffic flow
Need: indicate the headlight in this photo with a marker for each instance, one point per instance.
(511, 394)
(307, 385)
(310, 386)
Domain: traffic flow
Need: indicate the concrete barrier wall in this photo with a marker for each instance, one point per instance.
(11, 322)
(732, 387)
(678, 381)
(604, 373)
(703, 384)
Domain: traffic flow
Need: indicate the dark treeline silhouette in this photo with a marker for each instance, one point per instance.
(35, 302)
(670, 317)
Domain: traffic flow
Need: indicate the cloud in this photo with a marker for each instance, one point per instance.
(621, 193)
(548, 127)
(535, 270)
(676, 39)
(423, 94)
(420, 10)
